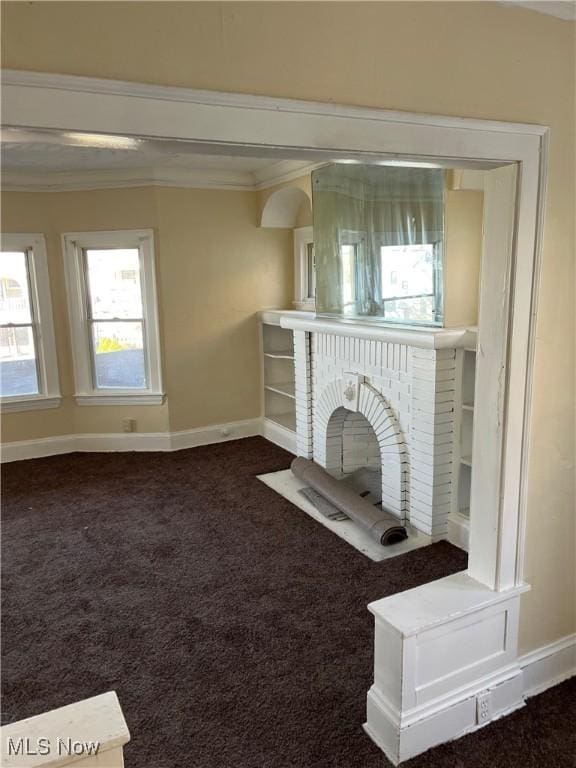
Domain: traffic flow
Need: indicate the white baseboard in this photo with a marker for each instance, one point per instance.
(459, 530)
(279, 435)
(549, 665)
(450, 721)
(218, 433)
(132, 441)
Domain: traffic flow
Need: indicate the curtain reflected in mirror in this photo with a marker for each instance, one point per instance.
(378, 234)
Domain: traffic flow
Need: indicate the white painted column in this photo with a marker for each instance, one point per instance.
(432, 438)
(303, 379)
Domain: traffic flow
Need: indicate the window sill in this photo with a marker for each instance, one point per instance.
(306, 305)
(144, 398)
(38, 403)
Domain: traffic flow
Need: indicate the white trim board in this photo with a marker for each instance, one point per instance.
(548, 665)
(135, 441)
(279, 435)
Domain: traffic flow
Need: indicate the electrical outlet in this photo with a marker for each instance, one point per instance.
(129, 425)
(484, 707)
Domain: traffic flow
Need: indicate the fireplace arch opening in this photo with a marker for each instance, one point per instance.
(347, 439)
(351, 444)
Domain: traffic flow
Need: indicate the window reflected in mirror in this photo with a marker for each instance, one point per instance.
(379, 235)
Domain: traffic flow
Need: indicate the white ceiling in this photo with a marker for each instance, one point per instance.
(49, 157)
(47, 161)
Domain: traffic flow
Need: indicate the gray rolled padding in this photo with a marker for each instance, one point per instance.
(381, 525)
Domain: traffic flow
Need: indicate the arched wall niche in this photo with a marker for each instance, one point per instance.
(286, 208)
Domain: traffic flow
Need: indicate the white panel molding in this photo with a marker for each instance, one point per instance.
(441, 651)
(134, 441)
(454, 716)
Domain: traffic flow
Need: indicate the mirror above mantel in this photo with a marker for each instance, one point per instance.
(398, 245)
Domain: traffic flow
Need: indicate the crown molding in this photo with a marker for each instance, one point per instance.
(279, 172)
(282, 171)
(73, 181)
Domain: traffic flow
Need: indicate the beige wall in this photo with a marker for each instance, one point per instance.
(468, 59)
(216, 269)
(463, 215)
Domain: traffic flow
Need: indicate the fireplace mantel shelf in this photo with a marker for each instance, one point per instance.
(426, 338)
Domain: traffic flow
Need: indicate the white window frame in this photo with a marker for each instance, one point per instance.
(34, 245)
(437, 239)
(73, 245)
(303, 236)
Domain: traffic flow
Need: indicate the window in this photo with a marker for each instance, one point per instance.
(310, 272)
(28, 365)
(417, 270)
(304, 269)
(114, 318)
(352, 246)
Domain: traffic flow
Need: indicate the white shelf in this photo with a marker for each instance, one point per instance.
(280, 355)
(286, 420)
(466, 460)
(279, 383)
(288, 389)
(468, 407)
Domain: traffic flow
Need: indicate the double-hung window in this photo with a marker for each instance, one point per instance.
(304, 269)
(114, 317)
(28, 364)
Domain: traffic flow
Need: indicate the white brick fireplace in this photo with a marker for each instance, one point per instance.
(370, 396)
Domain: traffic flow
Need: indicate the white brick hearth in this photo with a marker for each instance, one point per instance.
(369, 396)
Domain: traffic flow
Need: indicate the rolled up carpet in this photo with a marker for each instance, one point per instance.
(381, 525)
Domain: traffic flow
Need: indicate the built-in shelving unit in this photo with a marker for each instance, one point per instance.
(459, 518)
(286, 389)
(279, 397)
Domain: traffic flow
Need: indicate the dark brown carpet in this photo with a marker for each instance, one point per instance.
(232, 626)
